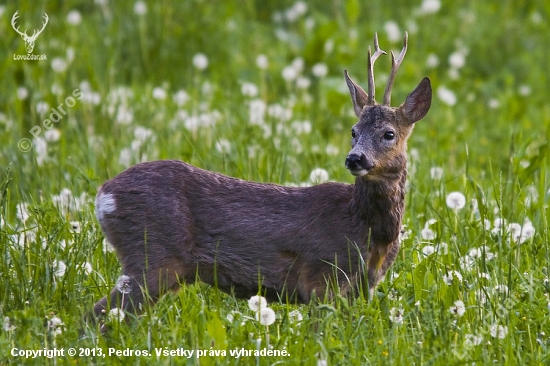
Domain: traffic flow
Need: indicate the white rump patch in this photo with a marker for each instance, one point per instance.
(104, 204)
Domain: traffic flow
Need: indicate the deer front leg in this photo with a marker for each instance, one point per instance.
(380, 259)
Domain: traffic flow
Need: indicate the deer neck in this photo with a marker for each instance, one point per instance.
(380, 203)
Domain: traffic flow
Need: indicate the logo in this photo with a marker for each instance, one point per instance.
(29, 40)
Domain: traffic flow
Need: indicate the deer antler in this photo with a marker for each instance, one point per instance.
(371, 60)
(395, 66)
(36, 33)
(13, 19)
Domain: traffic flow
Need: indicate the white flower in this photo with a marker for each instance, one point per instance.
(124, 284)
(318, 175)
(266, 316)
(8, 327)
(59, 268)
(41, 150)
(499, 331)
(432, 61)
(436, 172)
(455, 200)
(181, 97)
(74, 17)
(257, 302)
(450, 277)
(256, 111)
(116, 314)
(527, 231)
(392, 30)
(524, 90)
(55, 325)
(319, 70)
(428, 250)
(42, 108)
(223, 146)
(289, 73)
(493, 103)
(262, 62)
(22, 93)
(75, 226)
(446, 95)
(396, 315)
(501, 290)
(429, 6)
(249, 89)
(200, 61)
(458, 309)
(428, 234)
(58, 64)
(303, 82)
(22, 211)
(140, 8)
(52, 135)
(457, 60)
(472, 340)
(295, 316)
(159, 93)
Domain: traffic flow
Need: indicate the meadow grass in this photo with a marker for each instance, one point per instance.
(255, 90)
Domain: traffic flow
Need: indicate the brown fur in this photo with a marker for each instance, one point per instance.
(172, 223)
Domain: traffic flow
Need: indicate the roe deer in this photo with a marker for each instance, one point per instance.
(172, 223)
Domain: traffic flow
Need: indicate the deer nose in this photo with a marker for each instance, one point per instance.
(355, 162)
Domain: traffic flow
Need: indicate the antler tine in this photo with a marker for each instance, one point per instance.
(395, 66)
(377, 53)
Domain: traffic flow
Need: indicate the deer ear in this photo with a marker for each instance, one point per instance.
(358, 95)
(418, 102)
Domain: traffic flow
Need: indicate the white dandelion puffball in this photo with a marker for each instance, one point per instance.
(499, 331)
(257, 302)
(200, 61)
(458, 308)
(266, 316)
(124, 284)
(455, 200)
(116, 314)
(318, 175)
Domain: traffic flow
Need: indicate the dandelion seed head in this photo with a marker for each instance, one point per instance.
(140, 8)
(319, 70)
(498, 331)
(396, 315)
(266, 316)
(446, 95)
(116, 315)
(262, 62)
(74, 17)
(124, 284)
(200, 61)
(318, 175)
(458, 308)
(455, 200)
(256, 303)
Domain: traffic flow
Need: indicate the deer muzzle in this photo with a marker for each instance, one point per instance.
(358, 164)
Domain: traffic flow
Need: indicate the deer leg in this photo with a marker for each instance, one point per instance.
(380, 259)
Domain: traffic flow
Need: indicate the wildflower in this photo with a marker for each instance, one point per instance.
(432, 61)
(124, 115)
(289, 73)
(446, 95)
(436, 172)
(457, 60)
(318, 175)
(42, 108)
(74, 17)
(257, 302)
(52, 135)
(319, 70)
(262, 62)
(450, 277)
(256, 111)
(180, 98)
(429, 7)
(396, 315)
(392, 30)
(295, 316)
(223, 146)
(59, 65)
(472, 340)
(458, 309)
(456, 200)
(499, 331)
(8, 327)
(55, 325)
(428, 234)
(322, 363)
(22, 93)
(428, 250)
(493, 103)
(303, 82)
(22, 211)
(501, 289)
(59, 268)
(159, 93)
(124, 284)
(116, 314)
(41, 150)
(140, 8)
(524, 90)
(265, 316)
(200, 61)
(249, 89)
(332, 150)
(75, 226)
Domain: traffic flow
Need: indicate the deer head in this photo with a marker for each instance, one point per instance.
(29, 40)
(379, 138)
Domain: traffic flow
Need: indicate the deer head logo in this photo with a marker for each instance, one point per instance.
(29, 40)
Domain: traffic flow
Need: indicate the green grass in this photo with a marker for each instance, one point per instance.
(492, 146)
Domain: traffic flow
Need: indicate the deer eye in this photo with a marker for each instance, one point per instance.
(389, 135)
(353, 134)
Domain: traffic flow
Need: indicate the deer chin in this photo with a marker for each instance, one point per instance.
(359, 172)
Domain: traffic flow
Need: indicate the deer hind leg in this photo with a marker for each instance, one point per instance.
(380, 259)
